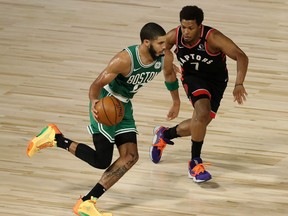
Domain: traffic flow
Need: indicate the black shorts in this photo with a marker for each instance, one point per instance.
(100, 139)
(197, 88)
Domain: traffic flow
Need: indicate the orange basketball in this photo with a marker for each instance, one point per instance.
(110, 111)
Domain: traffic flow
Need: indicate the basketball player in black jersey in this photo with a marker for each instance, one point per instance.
(201, 52)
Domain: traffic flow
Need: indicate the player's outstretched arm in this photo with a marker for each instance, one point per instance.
(219, 42)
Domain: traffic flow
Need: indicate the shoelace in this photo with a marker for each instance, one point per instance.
(200, 168)
(93, 200)
(161, 145)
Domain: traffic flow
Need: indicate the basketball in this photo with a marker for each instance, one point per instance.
(110, 111)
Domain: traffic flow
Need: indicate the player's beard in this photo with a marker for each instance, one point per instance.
(153, 53)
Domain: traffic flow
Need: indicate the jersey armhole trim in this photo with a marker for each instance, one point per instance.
(206, 43)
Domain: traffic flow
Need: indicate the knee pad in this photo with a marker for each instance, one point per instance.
(104, 151)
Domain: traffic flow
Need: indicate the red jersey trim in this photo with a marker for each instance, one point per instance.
(176, 40)
(206, 44)
(200, 92)
(212, 114)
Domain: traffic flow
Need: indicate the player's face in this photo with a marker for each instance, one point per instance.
(190, 30)
(157, 47)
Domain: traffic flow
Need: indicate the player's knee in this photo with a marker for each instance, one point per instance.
(203, 115)
(202, 110)
(104, 163)
(134, 157)
(131, 158)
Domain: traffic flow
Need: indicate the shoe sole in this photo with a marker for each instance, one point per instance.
(33, 147)
(154, 139)
(150, 154)
(76, 206)
(82, 214)
(102, 214)
(196, 180)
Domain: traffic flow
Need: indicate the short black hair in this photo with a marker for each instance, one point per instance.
(151, 31)
(192, 13)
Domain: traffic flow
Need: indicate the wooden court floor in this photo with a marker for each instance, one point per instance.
(51, 51)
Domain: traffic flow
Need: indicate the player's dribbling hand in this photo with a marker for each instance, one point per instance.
(239, 94)
(93, 110)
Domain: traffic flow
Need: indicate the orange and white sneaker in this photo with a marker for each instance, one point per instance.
(46, 138)
(88, 208)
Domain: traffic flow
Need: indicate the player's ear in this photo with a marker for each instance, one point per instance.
(146, 42)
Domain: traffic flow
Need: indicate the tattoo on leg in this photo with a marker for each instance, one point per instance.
(119, 172)
(115, 172)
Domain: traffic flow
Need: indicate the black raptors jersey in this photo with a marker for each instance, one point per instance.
(197, 60)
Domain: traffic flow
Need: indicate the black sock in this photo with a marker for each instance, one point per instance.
(196, 149)
(96, 192)
(171, 133)
(62, 141)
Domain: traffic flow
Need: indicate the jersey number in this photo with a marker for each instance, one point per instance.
(136, 88)
(196, 65)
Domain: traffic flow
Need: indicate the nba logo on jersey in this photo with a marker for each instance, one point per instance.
(201, 47)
